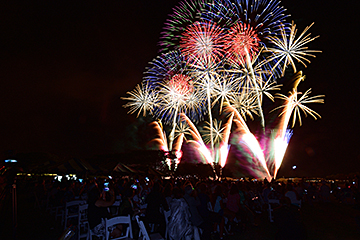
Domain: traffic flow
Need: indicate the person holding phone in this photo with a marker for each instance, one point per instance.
(97, 209)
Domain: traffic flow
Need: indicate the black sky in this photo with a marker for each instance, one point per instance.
(65, 64)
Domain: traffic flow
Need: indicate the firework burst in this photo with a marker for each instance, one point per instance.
(225, 53)
(295, 104)
(141, 99)
(288, 47)
(264, 16)
(240, 39)
(202, 44)
(217, 132)
(183, 15)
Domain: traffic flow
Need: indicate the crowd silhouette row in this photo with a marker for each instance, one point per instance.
(208, 208)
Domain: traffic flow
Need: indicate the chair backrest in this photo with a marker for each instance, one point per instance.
(74, 205)
(143, 232)
(270, 210)
(126, 220)
(83, 224)
(83, 212)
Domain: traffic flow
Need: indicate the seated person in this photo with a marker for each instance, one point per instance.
(179, 223)
(156, 204)
(97, 210)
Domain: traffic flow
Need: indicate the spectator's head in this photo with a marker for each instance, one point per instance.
(156, 187)
(218, 190)
(285, 201)
(202, 187)
(168, 189)
(289, 187)
(234, 189)
(177, 193)
(188, 189)
(94, 193)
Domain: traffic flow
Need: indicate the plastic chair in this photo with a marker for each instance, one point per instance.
(119, 220)
(143, 234)
(83, 223)
(71, 210)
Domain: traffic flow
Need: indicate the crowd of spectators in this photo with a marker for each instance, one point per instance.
(211, 209)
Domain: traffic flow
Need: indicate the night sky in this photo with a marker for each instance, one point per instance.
(65, 64)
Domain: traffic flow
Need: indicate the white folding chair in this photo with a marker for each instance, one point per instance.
(71, 211)
(270, 210)
(125, 220)
(91, 234)
(143, 234)
(83, 224)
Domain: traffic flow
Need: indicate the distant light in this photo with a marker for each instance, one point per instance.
(10, 160)
(294, 167)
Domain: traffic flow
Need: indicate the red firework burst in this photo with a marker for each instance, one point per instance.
(241, 39)
(202, 42)
(180, 84)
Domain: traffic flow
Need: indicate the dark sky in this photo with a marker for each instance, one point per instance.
(65, 64)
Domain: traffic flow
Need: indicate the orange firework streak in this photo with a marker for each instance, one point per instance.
(224, 147)
(280, 143)
(250, 139)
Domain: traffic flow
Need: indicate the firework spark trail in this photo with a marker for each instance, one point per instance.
(198, 141)
(202, 46)
(249, 139)
(292, 105)
(283, 136)
(252, 76)
(280, 145)
(224, 146)
(161, 137)
(161, 141)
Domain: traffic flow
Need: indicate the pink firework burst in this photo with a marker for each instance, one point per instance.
(240, 40)
(202, 43)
